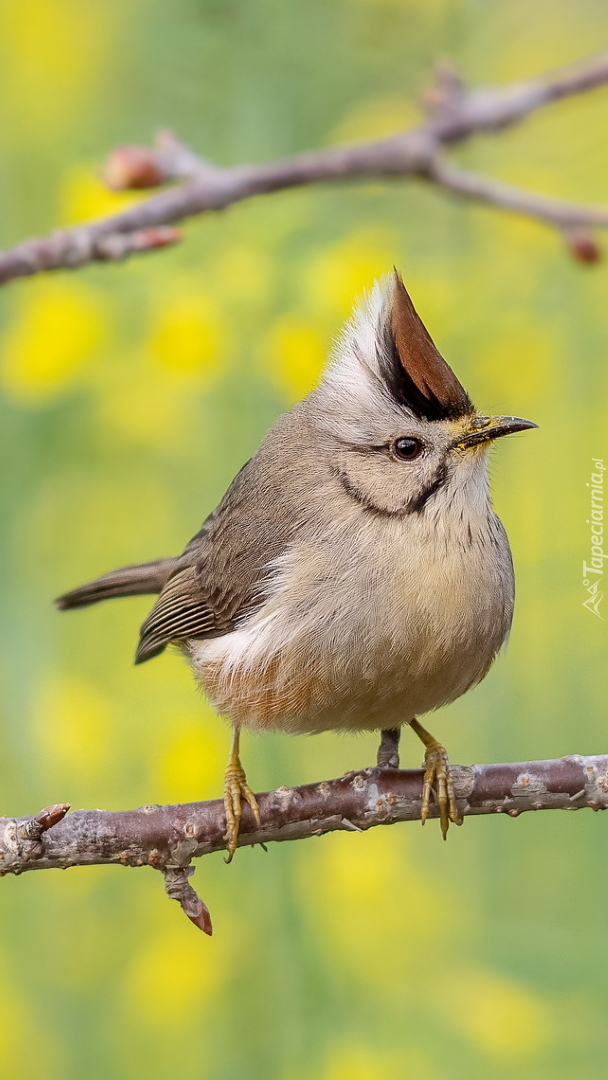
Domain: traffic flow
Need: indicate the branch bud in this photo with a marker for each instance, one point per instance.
(133, 168)
(583, 247)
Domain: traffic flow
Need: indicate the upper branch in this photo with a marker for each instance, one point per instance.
(454, 114)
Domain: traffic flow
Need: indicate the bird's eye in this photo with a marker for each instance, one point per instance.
(407, 449)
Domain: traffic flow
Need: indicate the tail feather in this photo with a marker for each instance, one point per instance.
(138, 580)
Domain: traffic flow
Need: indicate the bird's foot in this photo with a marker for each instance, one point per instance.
(438, 780)
(236, 789)
(388, 751)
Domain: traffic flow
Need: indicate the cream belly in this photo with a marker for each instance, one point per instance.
(366, 637)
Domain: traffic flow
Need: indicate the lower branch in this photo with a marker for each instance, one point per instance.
(169, 837)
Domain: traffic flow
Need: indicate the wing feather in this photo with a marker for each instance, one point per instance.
(180, 612)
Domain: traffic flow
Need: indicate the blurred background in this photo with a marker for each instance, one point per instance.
(129, 397)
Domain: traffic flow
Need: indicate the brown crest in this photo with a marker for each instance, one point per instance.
(415, 372)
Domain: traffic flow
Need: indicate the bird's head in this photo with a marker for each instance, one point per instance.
(404, 435)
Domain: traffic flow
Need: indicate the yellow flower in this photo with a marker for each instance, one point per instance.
(54, 53)
(73, 728)
(173, 976)
(83, 196)
(346, 270)
(357, 1062)
(192, 764)
(293, 355)
(505, 1019)
(366, 874)
(188, 335)
(59, 324)
(30, 1052)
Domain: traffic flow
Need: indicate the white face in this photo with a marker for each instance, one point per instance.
(416, 464)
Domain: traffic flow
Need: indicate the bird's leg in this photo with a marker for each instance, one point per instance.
(236, 789)
(388, 751)
(437, 771)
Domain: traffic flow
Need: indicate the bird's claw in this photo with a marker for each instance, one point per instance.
(236, 789)
(438, 780)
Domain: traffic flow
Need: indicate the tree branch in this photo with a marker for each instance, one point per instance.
(169, 837)
(564, 215)
(454, 115)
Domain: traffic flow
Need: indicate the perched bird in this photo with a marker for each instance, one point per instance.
(355, 575)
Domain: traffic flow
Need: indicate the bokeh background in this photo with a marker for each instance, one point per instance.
(131, 394)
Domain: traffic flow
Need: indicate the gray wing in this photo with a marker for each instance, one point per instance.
(181, 612)
(221, 575)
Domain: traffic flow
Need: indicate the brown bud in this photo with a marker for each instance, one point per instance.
(202, 919)
(133, 168)
(583, 247)
(119, 245)
(32, 828)
(447, 88)
(156, 237)
(51, 815)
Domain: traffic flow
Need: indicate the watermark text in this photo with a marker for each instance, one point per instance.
(593, 571)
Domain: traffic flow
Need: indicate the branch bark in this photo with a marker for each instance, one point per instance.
(454, 115)
(169, 837)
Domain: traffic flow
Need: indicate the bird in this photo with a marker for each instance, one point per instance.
(355, 575)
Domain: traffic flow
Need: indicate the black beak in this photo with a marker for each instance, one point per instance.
(485, 428)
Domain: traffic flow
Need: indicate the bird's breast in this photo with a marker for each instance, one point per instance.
(366, 630)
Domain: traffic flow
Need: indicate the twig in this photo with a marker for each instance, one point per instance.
(169, 837)
(179, 888)
(454, 115)
(564, 215)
